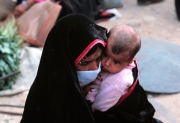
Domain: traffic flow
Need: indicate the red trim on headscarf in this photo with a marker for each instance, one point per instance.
(39, 1)
(88, 48)
(130, 89)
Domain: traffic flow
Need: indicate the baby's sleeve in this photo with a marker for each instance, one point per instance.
(111, 90)
(92, 89)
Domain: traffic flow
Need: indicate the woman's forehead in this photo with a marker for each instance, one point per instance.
(95, 55)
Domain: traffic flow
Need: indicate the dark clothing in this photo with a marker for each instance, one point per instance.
(18, 2)
(89, 8)
(55, 95)
(133, 107)
(177, 6)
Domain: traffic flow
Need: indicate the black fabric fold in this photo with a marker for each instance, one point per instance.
(55, 95)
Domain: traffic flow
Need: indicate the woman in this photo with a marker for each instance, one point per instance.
(70, 60)
(55, 96)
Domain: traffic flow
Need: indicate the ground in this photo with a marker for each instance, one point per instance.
(157, 21)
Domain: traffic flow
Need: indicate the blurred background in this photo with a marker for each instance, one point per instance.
(23, 31)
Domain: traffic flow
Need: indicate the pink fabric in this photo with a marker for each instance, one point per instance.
(39, 1)
(105, 94)
(39, 19)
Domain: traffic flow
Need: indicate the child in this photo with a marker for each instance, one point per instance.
(117, 63)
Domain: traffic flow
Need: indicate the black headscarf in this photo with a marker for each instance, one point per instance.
(55, 95)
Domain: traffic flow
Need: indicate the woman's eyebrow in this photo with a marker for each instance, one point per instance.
(91, 60)
(87, 61)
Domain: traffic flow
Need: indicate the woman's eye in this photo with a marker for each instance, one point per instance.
(83, 63)
(116, 62)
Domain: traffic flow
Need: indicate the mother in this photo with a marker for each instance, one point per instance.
(55, 96)
(71, 54)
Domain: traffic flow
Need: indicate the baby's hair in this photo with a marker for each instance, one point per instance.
(124, 39)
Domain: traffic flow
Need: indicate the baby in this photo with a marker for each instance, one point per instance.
(116, 76)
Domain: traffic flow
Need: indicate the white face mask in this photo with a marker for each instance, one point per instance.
(85, 77)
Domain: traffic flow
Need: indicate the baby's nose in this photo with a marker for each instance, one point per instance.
(107, 62)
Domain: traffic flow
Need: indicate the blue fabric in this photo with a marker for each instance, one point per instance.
(159, 66)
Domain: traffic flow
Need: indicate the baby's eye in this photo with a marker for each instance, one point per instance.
(116, 62)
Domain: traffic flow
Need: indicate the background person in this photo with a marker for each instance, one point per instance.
(35, 21)
(91, 8)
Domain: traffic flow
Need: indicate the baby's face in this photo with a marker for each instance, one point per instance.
(113, 63)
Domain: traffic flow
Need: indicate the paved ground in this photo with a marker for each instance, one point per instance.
(153, 21)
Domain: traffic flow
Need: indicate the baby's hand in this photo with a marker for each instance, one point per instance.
(92, 94)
